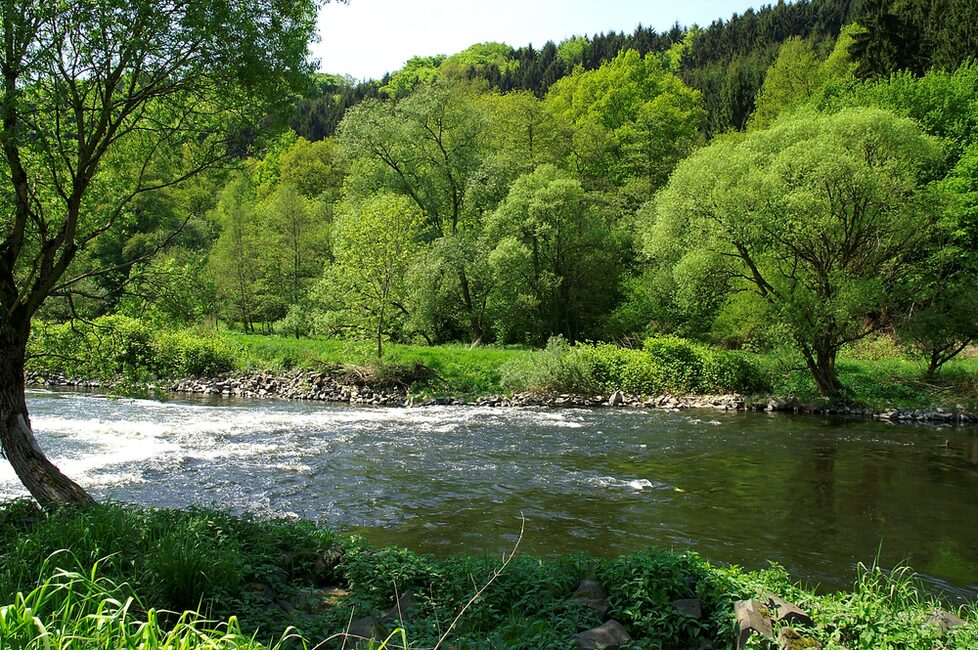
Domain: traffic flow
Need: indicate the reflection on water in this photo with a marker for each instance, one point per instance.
(817, 495)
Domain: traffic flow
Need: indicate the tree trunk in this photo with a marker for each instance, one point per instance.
(822, 367)
(475, 319)
(42, 479)
(934, 365)
(380, 338)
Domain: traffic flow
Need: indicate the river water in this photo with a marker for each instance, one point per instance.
(814, 494)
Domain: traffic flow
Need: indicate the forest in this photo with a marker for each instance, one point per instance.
(806, 172)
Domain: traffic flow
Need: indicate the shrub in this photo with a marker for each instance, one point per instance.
(728, 371)
(677, 361)
(606, 364)
(119, 346)
(557, 368)
(183, 353)
(665, 364)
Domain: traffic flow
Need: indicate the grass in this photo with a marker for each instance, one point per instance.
(103, 577)
(464, 370)
(77, 610)
(891, 382)
(887, 380)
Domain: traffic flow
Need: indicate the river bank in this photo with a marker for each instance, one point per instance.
(340, 386)
(273, 575)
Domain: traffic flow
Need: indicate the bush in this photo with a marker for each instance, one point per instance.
(118, 346)
(607, 363)
(677, 362)
(557, 368)
(729, 371)
(165, 558)
(665, 364)
(183, 353)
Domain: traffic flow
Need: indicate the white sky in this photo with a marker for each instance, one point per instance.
(367, 38)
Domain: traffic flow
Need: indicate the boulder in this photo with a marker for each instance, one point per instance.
(362, 630)
(791, 639)
(784, 612)
(401, 608)
(944, 620)
(610, 636)
(753, 617)
(592, 594)
(324, 567)
(616, 399)
(690, 607)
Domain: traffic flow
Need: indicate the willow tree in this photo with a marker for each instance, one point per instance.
(825, 217)
(102, 102)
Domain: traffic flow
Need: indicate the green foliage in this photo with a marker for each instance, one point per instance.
(824, 217)
(942, 102)
(184, 353)
(132, 597)
(417, 71)
(86, 611)
(664, 365)
(477, 59)
(164, 561)
(791, 81)
(375, 243)
(552, 252)
(557, 368)
(116, 346)
(644, 586)
(629, 119)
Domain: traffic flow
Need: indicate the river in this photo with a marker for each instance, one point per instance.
(817, 495)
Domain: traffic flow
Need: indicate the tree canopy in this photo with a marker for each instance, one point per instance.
(822, 216)
(102, 103)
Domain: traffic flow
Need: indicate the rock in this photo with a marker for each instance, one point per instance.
(944, 620)
(616, 399)
(691, 607)
(752, 618)
(323, 568)
(609, 636)
(784, 612)
(790, 639)
(263, 590)
(401, 608)
(285, 606)
(364, 629)
(321, 600)
(592, 594)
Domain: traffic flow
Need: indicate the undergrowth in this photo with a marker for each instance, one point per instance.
(117, 576)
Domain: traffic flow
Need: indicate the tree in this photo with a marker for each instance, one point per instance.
(101, 103)
(374, 244)
(823, 216)
(886, 44)
(943, 318)
(630, 119)
(554, 258)
(231, 258)
(430, 148)
(791, 81)
(293, 239)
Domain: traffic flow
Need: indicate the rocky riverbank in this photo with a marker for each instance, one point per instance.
(337, 386)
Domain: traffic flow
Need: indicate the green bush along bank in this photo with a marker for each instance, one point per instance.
(875, 372)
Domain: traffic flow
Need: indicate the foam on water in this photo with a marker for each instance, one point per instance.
(447, 478)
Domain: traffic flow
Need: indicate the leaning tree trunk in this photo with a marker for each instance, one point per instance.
(822, 367)
(42, 479)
